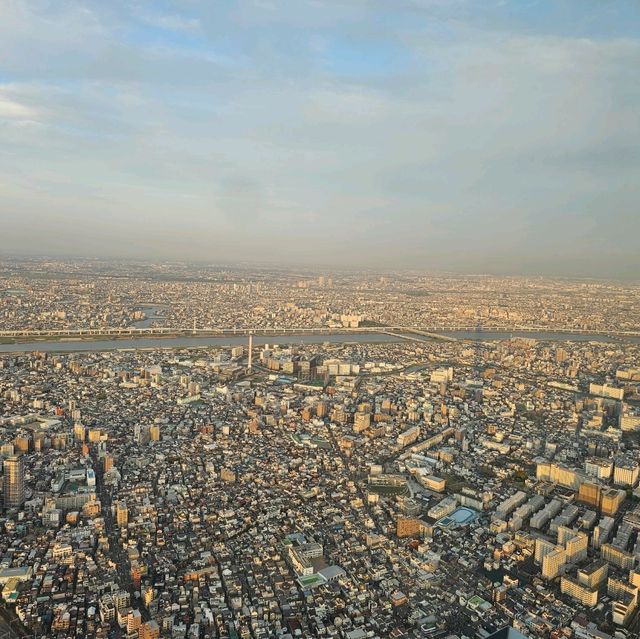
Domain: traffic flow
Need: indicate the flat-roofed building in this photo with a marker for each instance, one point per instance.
(593, 574)
(437, 484)
(611, 501)
(617, 556)
(585, 595)
(626, 472)
(553, 563)
(590, 493)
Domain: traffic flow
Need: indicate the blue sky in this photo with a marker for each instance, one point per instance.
(487, 136)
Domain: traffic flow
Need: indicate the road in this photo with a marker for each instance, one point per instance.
(116, 553)
(10, 626)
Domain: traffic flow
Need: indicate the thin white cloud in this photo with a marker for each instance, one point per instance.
(16, 111)
(172, 22)
(346, 104)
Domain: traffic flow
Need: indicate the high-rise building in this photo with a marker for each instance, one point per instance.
(141, 433)
(604, 390)
(617, 556)
(121, 600)
(95, 435)
(361, 421)
(147, 595)
(602, 532)
(22, 444)
(542, 549)
(13, 482)
(589, 493)
(625, 602)
(553, 562)
(149, 630)
(122, 514)
(611, 501)
(79, 432)
(626, 472)
(7, 449)
(559, 474)
(154, 433)
(585, 595)
(593, 574)
(134, 621)
(136, 574)
(599, 467)
(574, 542)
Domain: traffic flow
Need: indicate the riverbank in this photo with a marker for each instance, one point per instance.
(129, 343)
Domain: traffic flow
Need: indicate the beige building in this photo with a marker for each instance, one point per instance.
(626, 600)
(611, 501)
(629, 422)
(585, 595)
(594, 574)
(553, 563)
(122, 514)
(437, 484)
(604, 390)
(361, 422)
(559, 474)
(617, 556)
(626, 472)
(149, 630)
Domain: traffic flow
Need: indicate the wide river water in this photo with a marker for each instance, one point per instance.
(258, 340)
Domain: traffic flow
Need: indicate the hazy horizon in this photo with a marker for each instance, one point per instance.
(450, 135)
(304, 269)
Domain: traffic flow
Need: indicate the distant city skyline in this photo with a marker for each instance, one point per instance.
(495, 137)
(309, 269)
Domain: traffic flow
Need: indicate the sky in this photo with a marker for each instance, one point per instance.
(477, 136)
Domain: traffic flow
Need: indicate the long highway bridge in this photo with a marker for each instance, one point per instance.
(215, 331)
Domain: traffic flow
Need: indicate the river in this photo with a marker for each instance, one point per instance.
(259, 340)
(542, 336)
(153, 312)
(191, 342)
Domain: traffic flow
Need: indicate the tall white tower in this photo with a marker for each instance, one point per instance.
(250, 364)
